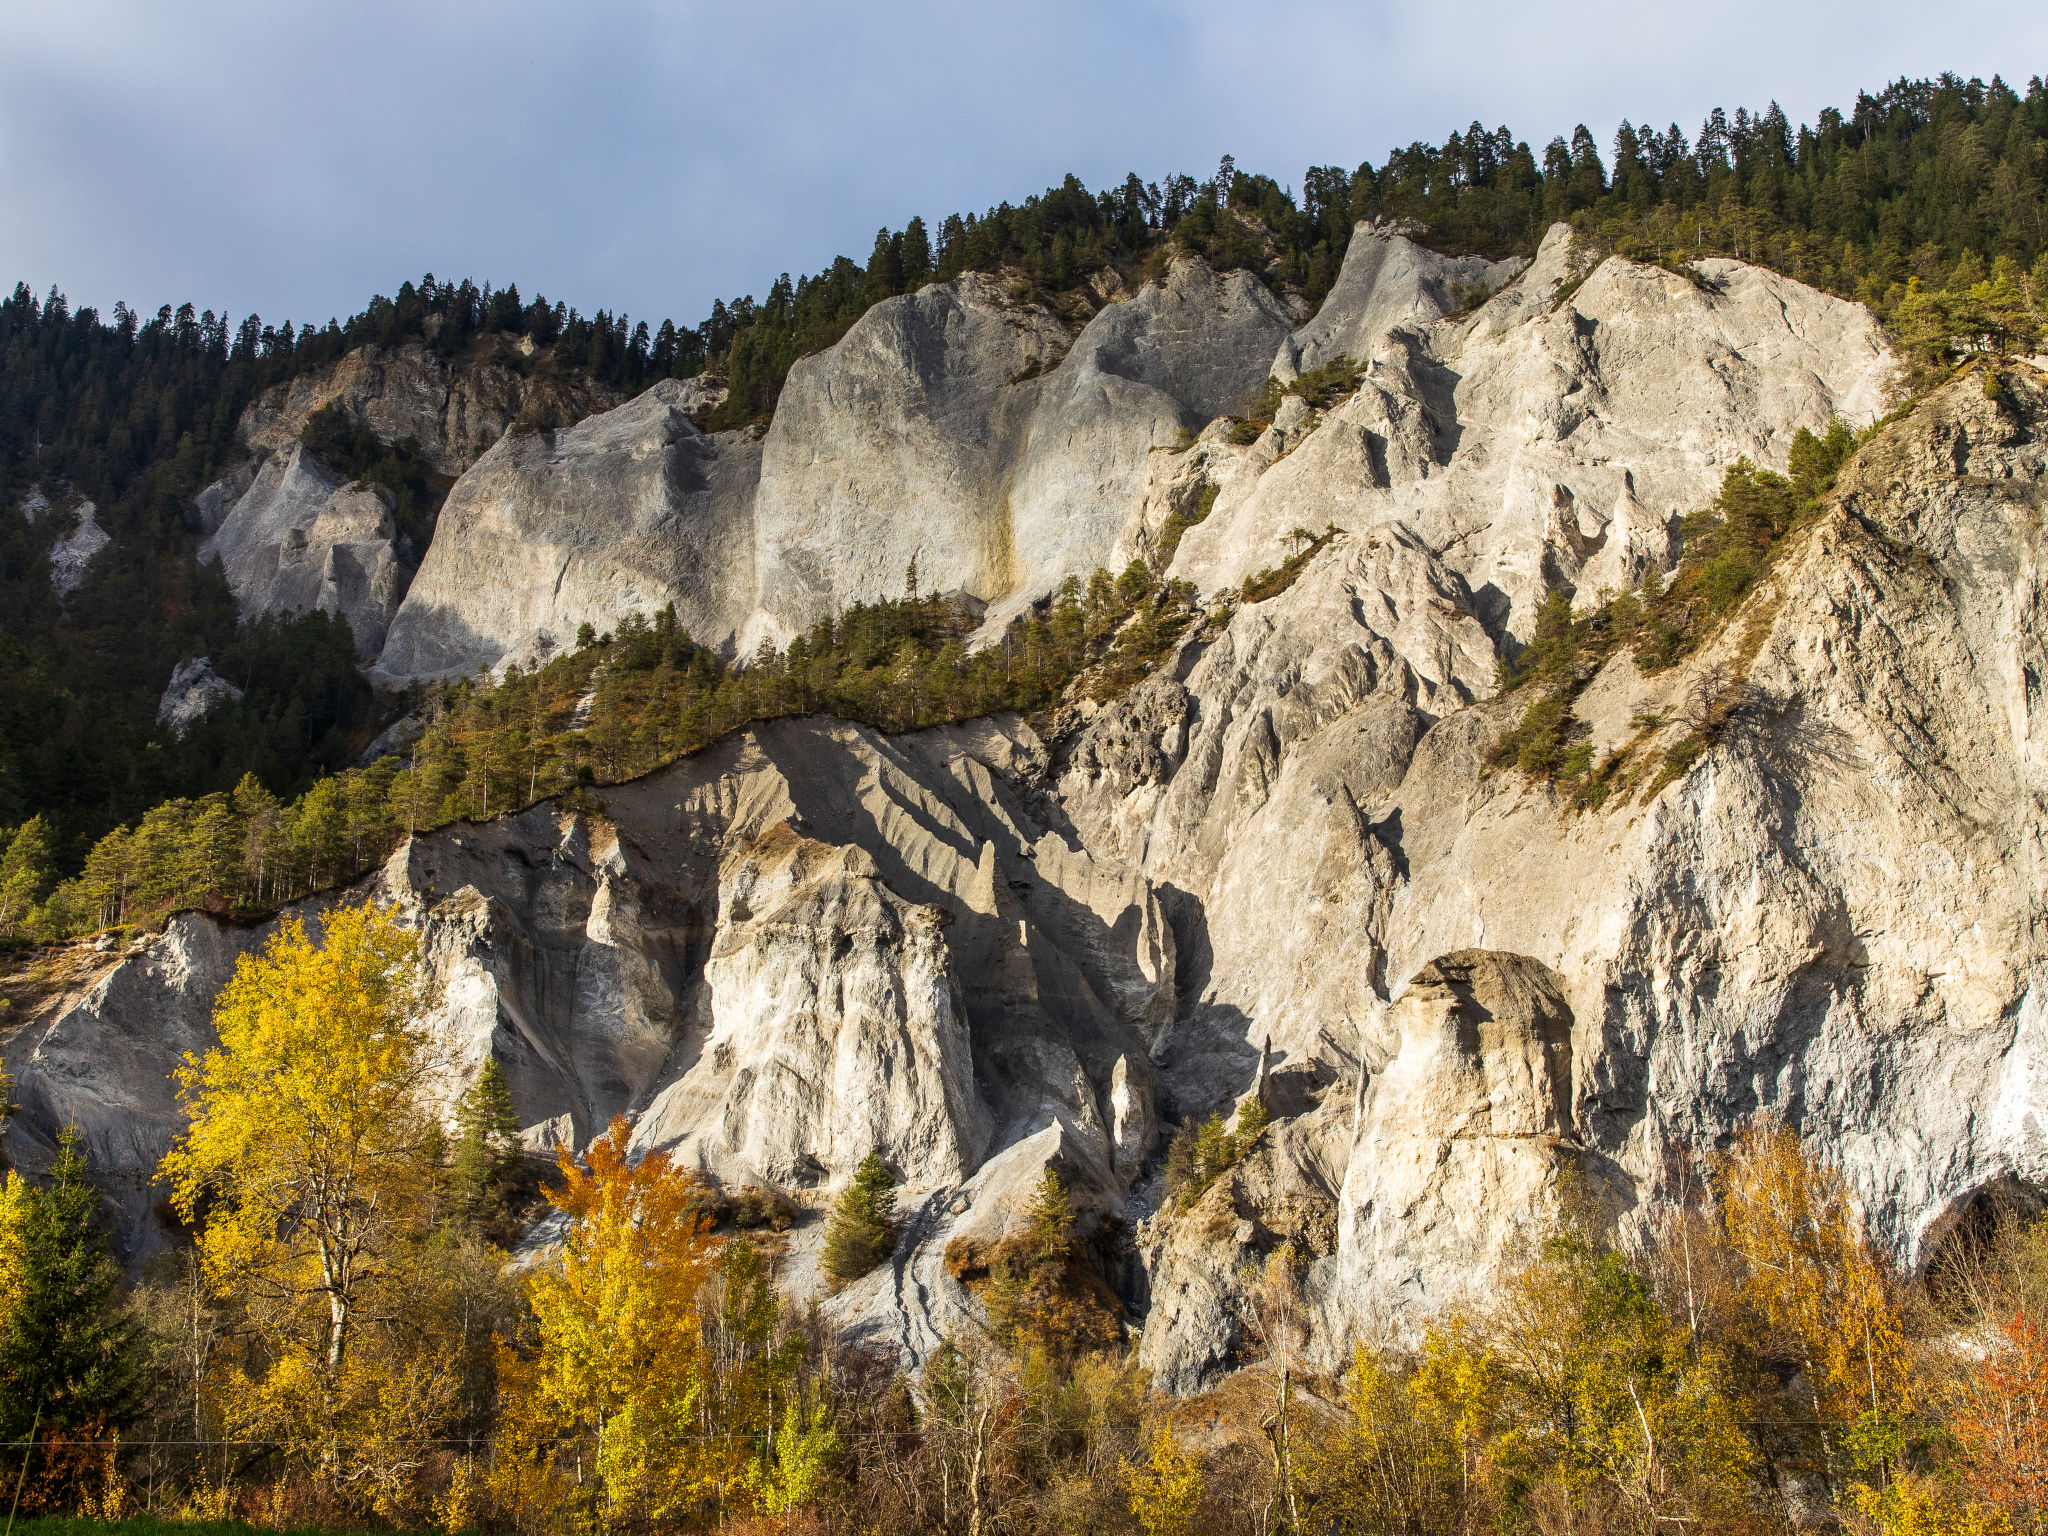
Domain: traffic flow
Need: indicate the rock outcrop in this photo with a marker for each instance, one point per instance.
(453, 410)
(1461, 1137)
(72, 555)
(287, 544)
(625, 512)
(192, 692)
(955, 427)
(303, 539)
(1554, 435)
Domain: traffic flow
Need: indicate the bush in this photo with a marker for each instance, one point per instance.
(756, 1206)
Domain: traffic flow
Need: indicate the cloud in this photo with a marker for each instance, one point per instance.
(648, 156)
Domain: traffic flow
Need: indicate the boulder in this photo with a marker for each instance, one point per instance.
(192, 692)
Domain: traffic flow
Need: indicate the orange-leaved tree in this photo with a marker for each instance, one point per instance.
(2001, 1422)
(621, 1374)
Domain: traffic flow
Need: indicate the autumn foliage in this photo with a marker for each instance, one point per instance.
(341, 1344)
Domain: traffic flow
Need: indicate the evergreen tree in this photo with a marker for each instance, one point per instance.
(1050, 1215)
(26, 870)
(863, 1226)
(487, 1148)
(917, 255)
(68, 1350)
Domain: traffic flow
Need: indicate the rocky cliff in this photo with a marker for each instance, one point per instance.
(1535, 424)
(1285, 864)
(292, 535)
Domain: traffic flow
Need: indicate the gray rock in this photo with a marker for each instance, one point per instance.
(302, 539)
(454, 411)
(954, 427)
(1387, 283)
(71, 555)
(622, 513)
(1540, 441)
(193, 690)
(899, 443)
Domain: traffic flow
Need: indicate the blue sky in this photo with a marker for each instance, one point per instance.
(292, 159)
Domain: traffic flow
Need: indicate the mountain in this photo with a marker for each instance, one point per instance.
(1777, 854)
(138, 433)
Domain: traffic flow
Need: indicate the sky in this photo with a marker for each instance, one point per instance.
(649, 155)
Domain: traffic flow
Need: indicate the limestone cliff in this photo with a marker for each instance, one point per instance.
(955, 427)
(1551, 434)
(301, 538)
(621, 513)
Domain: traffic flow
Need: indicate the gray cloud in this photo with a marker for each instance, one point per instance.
(292, 159)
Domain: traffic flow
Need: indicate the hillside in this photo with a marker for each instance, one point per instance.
(1922, 201)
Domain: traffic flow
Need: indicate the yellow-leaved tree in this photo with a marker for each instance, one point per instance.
(1811, 1275)
(309, 1167)
(621, 1376)
(1166, 1491)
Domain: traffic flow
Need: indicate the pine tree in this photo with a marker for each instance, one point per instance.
(487, 1148)
(1183, 1168)
(917, 255)
(863, 1226)
(68, 1351)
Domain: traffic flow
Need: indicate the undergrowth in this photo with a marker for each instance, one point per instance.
(1274, 580)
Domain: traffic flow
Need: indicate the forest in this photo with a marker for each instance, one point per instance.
(341, 1342)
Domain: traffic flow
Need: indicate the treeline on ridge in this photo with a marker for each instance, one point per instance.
(648, 695)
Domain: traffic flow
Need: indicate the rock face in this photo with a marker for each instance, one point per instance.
(1550, 437)
(624, 512)
(1461, 1136)
(301, 538)
(194, 689)
(1284, 865)
(71, 555)
(453, 411)
(287, 544)
(954, 427)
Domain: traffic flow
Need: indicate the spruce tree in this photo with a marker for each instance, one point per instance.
(69, 1354)
(862, 1230)
(487, 1149)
